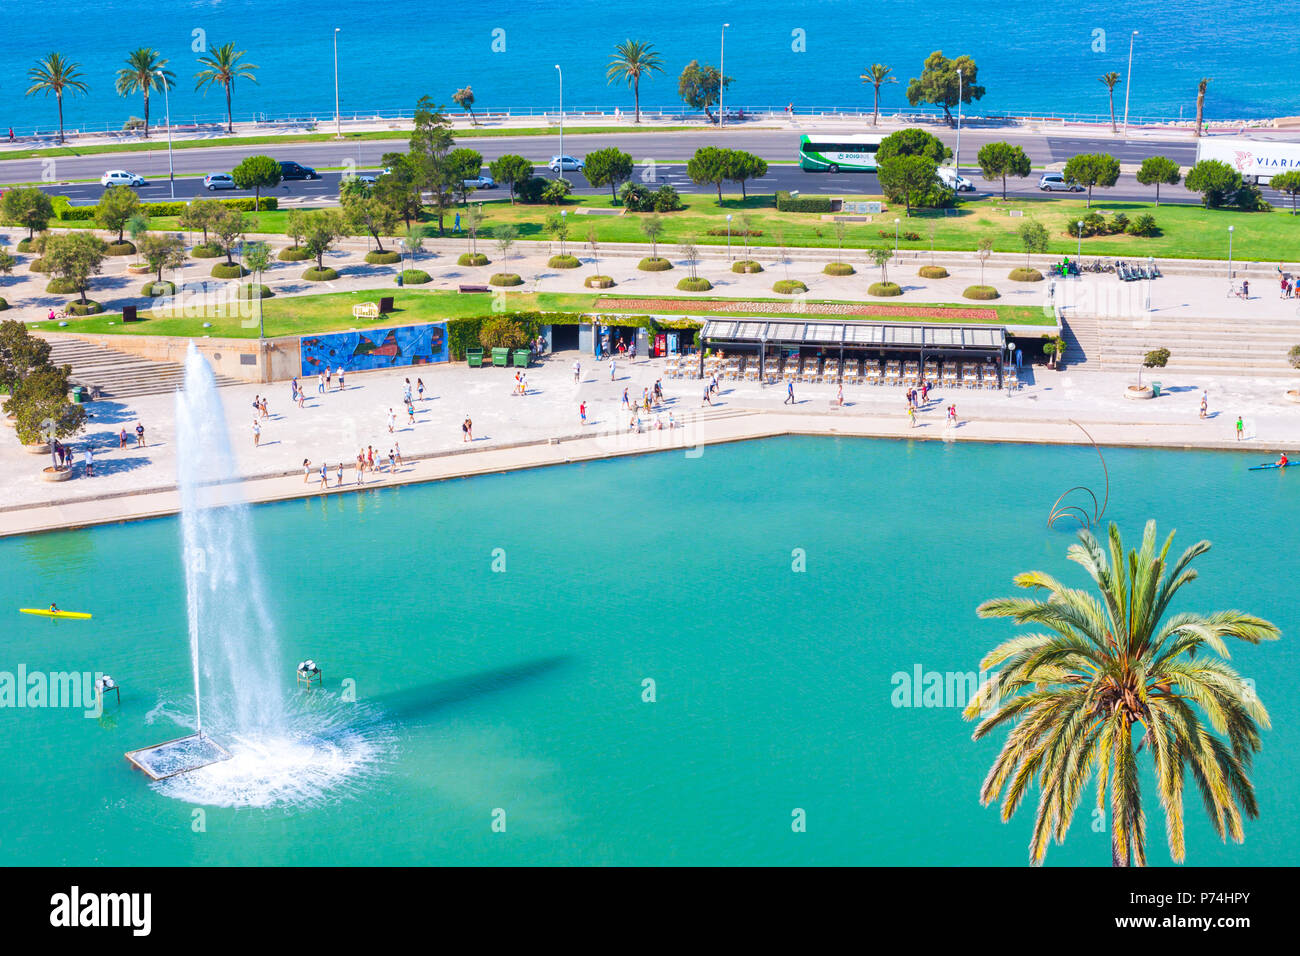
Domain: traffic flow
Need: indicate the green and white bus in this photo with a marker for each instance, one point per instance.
(834, 152)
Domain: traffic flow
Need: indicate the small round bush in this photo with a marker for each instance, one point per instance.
(24, 245)
(89, 307)
(152, 288)
(932, 272)
(472, 259)
(789, 286)
(61, 286)
(414, 277)
(838, 269)
(122, 248)
(698, 284)
(746, 266)
(38, 265)
(254, 290)
(3, 304)
(320, 275)
(884, 289)
(228, 270)
(598, 282)
(385, 258)
(207, 250)
(654, 264)
(290, 254)
(980, 292)
(1026, 275)
(563, 262)
(505, 278)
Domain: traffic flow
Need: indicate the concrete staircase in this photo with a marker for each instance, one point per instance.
(1204, 346)
(1082, 339)
(118, 374)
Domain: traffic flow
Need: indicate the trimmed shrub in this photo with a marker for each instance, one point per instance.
(654, 264)
(980, 292)
(123, 248)
(838, 269)
(414, 277)
(1118, 223)
(3, 304)
(61, 287)
(698, 284)
(89, 307)
(66, 212)
(24, 245)
(38, 265)
(228, 270)
(785, 203)
(636, 198)
(598, 282)
(254, 290)
(320, 275)
(746, 266)
(1144, 225)
(290, 254)
(563, 262)
(207, 250)
(556, 191)
(789, 286)
(932, 272)
(1025, 275)
(153, 289)
(667, 199)
(505, 278)
(472, 259)
(383, 258)
(885, 289)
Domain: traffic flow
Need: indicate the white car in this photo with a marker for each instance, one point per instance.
(1056, 182)
(120, 177)
(955, 181)
(481, 182)
(567, 163)
(214, 181)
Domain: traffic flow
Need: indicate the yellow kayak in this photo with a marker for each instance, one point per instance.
(45, 612)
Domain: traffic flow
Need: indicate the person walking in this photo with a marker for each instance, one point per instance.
(612, 369)
(88, 459)
(302, 397)
(341, 386)
(397, 449)
(324, 475)
(306, 470)
(468, 428)
(626, 402)
(789, 394)
(1205, 403)
(320, 383)
(370, 458)
(419, 388)
(329, 378)
(708, 392)
(1245, 288)
(392, 462)
(577, 372)
(339, 482)
(1241, 427)
(410, 413)
(139, 435)
(582, 412)
(911, 415)
(265, 413)
(121, 438)
(839, 395)
(392, 420)
(361, 467)
(257, 433)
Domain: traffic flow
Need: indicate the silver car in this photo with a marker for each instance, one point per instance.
(1056, 182)
(213, 181)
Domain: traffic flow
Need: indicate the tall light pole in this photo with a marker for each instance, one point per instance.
(1078, 251)
(957, 157)
(1128, 83)
(167, 102)
(895, 237)
(559, 172)
(728, 237)
(1230, 228)
(722, 76)
(338, 122)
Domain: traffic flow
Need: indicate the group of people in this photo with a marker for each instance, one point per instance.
(64, 455)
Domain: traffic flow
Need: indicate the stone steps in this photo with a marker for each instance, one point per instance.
(118, 374)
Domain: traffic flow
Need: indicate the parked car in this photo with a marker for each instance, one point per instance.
(1056, 182)
(568, 163)
(954, 180)
(291, 170)
(213, 181)
(481, 182)
(120, 177)
(366, 179)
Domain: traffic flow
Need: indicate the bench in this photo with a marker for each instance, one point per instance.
(473, 288)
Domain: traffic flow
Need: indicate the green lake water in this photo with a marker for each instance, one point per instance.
(522, 690)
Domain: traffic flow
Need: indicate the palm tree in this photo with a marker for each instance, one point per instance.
(140, 75)
(54, 74)
(633, 59)
(877, 76)
(1110, 79)
(1200, 102)
(1100, 668)
(223, 67)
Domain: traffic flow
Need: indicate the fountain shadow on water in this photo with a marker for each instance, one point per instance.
(416, 702)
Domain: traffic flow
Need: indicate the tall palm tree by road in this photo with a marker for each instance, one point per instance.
(56, 75)
(1103, 669)
(222, 68)
(140, 75)
(877, 76)
(632, 60)
(1200, 102)
(1110, 79)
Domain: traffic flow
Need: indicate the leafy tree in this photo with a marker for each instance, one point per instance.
(938, 83)
(257, 256)
(162, 251)
(399, 187)
(229, 225)
(632, 60)
(653, 227)
(366, 213)
(701, 86)
(1000, 160)
(257, 173)
(20, 353)
(473, 224)
(1109, 80)
(913, 142)
(608, 167)
(1217, 182)
(502, 333)
(593, 243)
(144, 72)
(1200, 102)
(56, 75)
(464, 164)
(982, 249)
(27, 206)
(7, 263)
(41, 408)
(116, 207)
(558, 226)
(511, 169)
(1289, 183)
(708, 167)
(1092, 169)
(199, 215)
(506, 236)
(1101, 669)
(321, 229)
(1157, 358)
(464, 98)
(880, 255)
(877, 76)
(75, 256)
(431, 148)
(906, 178)
(1033, 236)
(295, 225)
(740, 166)
(1156, 170)
(221, 67)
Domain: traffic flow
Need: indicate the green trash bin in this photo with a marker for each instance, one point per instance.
(475, 357)
(78, 394)
(500, 357)
(521, 358)
(1155, 389)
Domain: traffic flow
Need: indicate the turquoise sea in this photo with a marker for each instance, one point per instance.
(1031, 57)
(521, 689)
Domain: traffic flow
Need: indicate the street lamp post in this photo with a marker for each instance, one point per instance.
(957, 157)
(167, 102)
(728, 237)
(1128, 83)
(1078, 251)
(338, 120)
(895, 237)
(559, 172)
(722, 76)
(564, 228)
(1230, 229)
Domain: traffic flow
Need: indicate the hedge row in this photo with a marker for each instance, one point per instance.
(463, 334)
(66, 212)
(786, 203)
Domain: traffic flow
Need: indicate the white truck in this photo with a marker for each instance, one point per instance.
(1258, 161)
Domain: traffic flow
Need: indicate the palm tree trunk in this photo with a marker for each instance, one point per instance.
(875, 116)
(1113, 128)
(59, 97)
(1004, 187)
(636, 97)
(230, 120)
(146, 112)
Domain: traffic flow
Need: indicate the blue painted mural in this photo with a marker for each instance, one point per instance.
(375, 348)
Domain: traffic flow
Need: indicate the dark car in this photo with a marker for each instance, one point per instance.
(295, 171)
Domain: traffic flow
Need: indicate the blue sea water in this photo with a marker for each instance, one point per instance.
(1031, 57)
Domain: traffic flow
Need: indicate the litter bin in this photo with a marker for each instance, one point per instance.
(78, 394)
(1155, 389)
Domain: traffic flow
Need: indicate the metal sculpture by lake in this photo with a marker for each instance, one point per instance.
(1078, 512)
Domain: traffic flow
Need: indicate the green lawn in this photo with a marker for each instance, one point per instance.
(300, 315)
